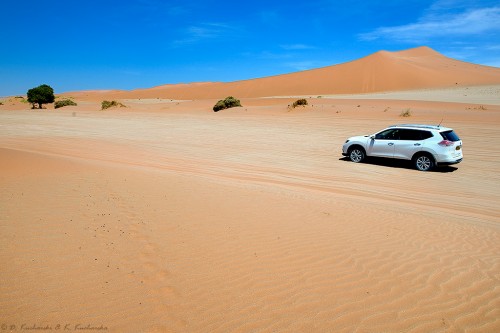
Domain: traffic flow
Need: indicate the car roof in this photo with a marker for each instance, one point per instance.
(422, 126)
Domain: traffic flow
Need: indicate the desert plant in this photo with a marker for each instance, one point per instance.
(109, 104)
(21, 99)
(228, 102)
(298, 102)
(220, 105)
(42, 94)
(63, 102)
(405, 113)
(17, 99)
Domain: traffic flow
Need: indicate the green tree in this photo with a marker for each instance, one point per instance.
(42, 94)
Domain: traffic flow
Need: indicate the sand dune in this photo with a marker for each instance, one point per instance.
(418, 68)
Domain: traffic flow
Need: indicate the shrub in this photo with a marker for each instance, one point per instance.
(229, 102)
(405, 113)
(20, 99)
(220, 105)
(480, 107)
(298, 102)
(232, 102)
(109, 104)
(63, 102)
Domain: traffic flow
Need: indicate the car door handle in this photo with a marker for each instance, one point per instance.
(391, 143)
(417, 144)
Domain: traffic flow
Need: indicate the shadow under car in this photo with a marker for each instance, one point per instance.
(397, 163)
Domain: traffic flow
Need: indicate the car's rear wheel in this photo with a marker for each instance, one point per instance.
(424, 162)
(357, 154)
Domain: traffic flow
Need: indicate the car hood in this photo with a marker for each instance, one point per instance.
(359, 138)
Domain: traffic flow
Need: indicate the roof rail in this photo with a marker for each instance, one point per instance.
(417, 126)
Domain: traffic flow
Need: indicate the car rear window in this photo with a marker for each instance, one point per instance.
(450, 136)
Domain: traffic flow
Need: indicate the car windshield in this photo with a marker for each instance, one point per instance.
(450, 136)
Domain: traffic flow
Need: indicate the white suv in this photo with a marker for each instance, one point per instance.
(425, 145)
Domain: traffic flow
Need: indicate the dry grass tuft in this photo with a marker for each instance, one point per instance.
(405, 113)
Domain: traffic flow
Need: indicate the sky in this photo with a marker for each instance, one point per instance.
(109, 44)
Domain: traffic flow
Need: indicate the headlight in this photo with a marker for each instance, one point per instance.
(347, 141)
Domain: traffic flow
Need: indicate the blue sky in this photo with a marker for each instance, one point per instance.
(108, 44)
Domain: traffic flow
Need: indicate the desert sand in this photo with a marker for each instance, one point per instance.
(164, 216)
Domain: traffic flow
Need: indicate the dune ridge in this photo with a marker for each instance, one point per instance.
(411, 69)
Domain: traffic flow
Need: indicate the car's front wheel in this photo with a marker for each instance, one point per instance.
(357, 154)
(423, 162)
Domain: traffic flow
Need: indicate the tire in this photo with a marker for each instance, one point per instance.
(357, 154)
(423, 162)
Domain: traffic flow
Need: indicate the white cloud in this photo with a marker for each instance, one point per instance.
(468, 23)
(483, 54)
(203, 31)
(294, 47)
(273, 55)
(495, 47)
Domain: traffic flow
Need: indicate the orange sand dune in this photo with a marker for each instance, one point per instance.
(382, 71)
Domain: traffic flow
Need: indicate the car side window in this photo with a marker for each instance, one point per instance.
(414, 135)
(426, 135)
(411, 135)
(406, 134)
(390, 134)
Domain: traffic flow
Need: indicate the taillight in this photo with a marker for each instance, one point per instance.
(446, 143)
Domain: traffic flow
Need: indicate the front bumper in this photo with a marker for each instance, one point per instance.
(345, 147)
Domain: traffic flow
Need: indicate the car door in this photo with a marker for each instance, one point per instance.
(410, 141)
(382, 144)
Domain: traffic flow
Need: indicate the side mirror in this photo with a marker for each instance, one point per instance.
(372, 137)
